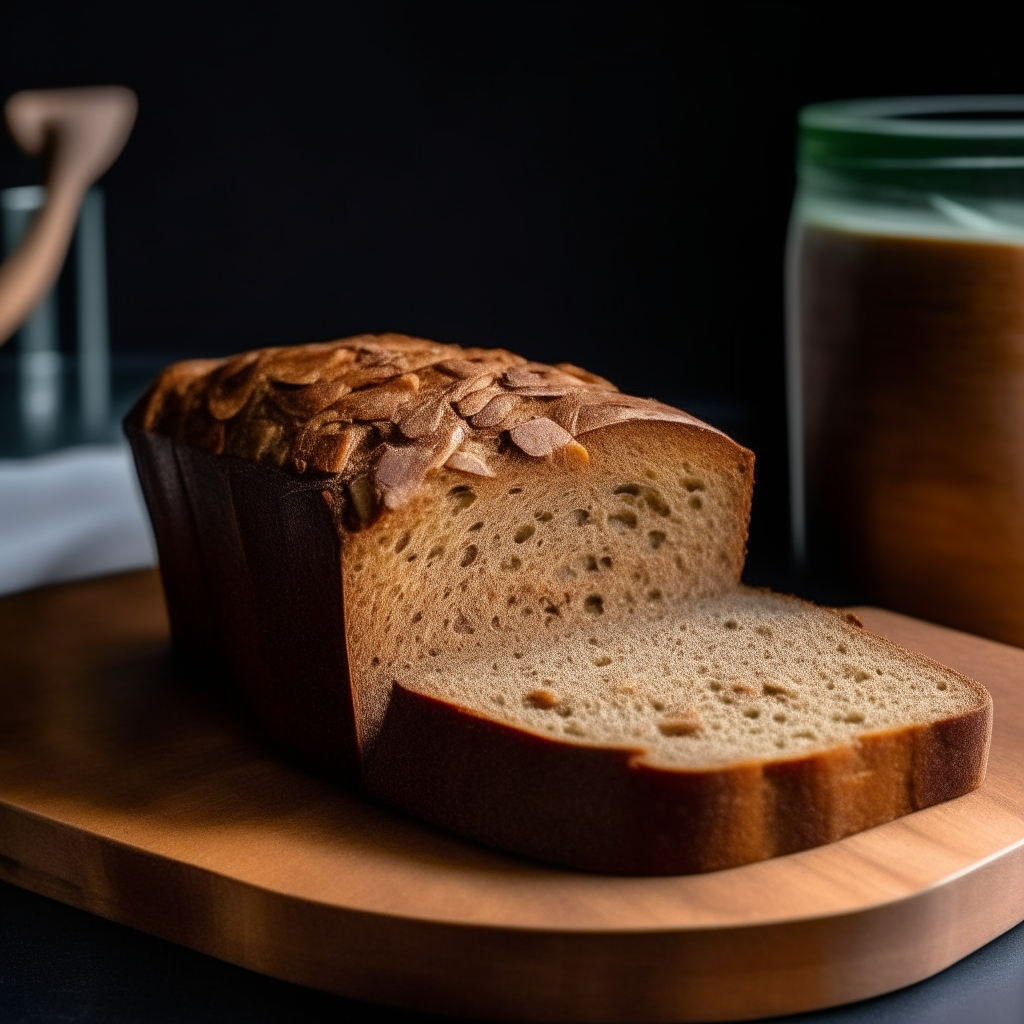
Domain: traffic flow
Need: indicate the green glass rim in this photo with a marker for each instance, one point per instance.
(915, 132)
(895, 116)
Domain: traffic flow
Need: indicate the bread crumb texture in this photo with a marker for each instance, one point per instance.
(378, 413)
(535, 555)
(745, 676)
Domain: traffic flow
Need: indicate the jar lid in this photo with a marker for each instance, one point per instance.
(976, 132)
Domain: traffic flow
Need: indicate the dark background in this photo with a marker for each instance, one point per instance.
(603, 183)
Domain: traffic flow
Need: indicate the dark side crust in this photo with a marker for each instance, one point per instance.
(607, 810)
(251, 567)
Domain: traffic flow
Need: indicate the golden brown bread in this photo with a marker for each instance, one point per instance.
(379, 412)
(426, 568)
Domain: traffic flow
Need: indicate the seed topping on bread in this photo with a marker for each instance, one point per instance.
(383, 411)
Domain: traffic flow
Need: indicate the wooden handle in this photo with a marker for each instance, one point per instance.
(84, 130)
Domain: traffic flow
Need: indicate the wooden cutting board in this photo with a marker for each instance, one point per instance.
(128, 795)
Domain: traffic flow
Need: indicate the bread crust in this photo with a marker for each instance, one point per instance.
(250, 561)
(253, 548)
(378, 413)
(609, 810)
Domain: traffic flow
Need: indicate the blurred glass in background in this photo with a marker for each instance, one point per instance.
(905, 322)
(43, 412)
(69, 503)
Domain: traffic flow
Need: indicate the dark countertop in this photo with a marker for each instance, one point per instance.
(59, 964)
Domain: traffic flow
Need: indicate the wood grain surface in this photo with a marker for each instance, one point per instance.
(126, 793)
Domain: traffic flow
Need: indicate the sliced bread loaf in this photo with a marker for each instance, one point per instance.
(506, 598)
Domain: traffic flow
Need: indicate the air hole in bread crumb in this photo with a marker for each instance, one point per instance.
(695, 502)
(463, 497)
(512, 564)
(804, 734)
(752, 713)
(602, 661)
(582, 516)
(606, 562)
(417, 617)
(940, 685)
(731, 624)
(656, 503)
(623, 520)
(402, 542)
(780, 717)
(544, 700)
(524, 533)
(853, 717)
(543, 517)
(476, 526)
(685, 725)
(468, 556)
(693, 485)
(656, 538)
(594, 604)
(516, 490)
(437, 549)
(631, 489)
(654, 595)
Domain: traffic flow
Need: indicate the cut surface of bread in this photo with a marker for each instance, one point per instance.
(701, 684)
(539, 552)
(504, 597)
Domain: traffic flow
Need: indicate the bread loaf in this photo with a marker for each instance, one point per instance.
(505, 597)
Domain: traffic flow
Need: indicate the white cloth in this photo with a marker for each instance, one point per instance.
(71, 514)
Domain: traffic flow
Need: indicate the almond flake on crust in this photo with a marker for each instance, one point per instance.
(379, 412)
(539, 437)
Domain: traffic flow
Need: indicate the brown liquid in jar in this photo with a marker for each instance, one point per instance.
(913, 411)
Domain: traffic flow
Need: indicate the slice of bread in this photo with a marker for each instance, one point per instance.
(699, 735)
(506, 598)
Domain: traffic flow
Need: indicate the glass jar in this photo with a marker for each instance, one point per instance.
(905, 351)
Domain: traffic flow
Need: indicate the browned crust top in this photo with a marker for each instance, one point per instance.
(379, 412)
